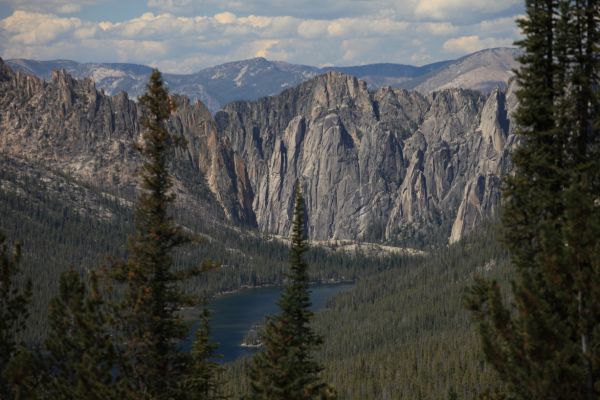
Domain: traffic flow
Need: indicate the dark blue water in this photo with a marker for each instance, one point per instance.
(233, 315)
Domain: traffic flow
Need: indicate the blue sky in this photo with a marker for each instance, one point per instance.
(186, 35)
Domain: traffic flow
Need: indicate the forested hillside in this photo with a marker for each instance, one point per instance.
(63, 223)
(396, 332)
(404, 333)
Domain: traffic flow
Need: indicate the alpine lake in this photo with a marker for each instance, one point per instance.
(235, 314)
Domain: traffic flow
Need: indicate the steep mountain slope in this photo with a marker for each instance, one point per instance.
(387, 165)
(110, 77)
(68, 125)
(485, 70)
(67, 181)
(251, 79)
(258, 77)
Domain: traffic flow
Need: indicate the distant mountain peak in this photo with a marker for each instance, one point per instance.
(259, 59)
(484, 70)
(258, 77)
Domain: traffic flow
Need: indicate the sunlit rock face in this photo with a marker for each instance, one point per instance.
(69, 126)
(373, 164)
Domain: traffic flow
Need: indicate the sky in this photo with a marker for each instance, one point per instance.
(184, 36)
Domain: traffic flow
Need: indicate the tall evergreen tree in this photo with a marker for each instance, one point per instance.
(547, 346)
(15, 297)
(286, 368)
(203, 379)
(25, 373)
(582, 195)
(81, 356)
(151, 325)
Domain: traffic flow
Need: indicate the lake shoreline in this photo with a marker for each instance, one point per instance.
(267, 285)
(235, 314)
(191, 312)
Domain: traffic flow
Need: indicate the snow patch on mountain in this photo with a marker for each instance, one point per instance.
(101, 73)
(240, 76)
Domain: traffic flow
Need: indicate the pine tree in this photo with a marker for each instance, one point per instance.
(81, 356)
(547, 346)
(151, 328)
(286, 369)
(25, 372)
(582, 194)
(15, 297)
(203, 378)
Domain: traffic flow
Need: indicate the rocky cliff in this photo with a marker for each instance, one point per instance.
(69, 126)
(387, 165)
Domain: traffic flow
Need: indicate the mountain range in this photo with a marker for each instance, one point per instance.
(254, 78)
(383, 164)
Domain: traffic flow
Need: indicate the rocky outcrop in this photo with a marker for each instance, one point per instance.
(373, 165)
(212, 155)
(68, 125)
(481, 196)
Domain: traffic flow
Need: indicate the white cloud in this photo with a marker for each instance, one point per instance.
(261, 48)
(313, 28)
(33, 28)
(257, 21)
(225, 18)
(187, 43)
(85, 32)
(144, 49)
(373, 27)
